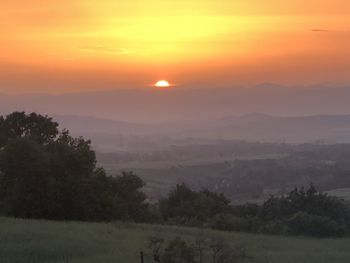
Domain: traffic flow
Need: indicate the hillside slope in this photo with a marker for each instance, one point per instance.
(29, 241)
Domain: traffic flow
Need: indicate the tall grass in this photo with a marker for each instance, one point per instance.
(37, 241)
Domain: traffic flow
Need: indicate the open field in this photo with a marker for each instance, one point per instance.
(36, 241)
(206, 160)
(343, 193)
(162, 176)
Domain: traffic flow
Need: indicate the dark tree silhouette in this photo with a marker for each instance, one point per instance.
(45, 173)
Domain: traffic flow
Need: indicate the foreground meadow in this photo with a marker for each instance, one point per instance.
(36, 241)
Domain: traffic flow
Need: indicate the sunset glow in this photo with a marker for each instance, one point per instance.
(80, 44)
(162, 84)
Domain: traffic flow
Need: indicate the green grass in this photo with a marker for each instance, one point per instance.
(31, 241)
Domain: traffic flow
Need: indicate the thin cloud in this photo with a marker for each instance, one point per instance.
(124, 51)
(321, 30)
(103, 49)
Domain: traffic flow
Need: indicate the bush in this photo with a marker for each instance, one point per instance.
(306, 212)
(274, 227)
(318, 226)
(178, 251)
(192, 208)
(232, 255)
(301, 212)
(228, 222)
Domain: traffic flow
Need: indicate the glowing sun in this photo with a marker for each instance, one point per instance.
(162, 84)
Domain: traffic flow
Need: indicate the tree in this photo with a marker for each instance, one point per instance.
(306, 212)
(40, 128)
(128, 188)
(178, 203)
(191, 206)
(24, 182)
(73, 163)
(49, 174)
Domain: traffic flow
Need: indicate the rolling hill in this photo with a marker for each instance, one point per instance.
(187, 103)
(113, 136)
(37, 241)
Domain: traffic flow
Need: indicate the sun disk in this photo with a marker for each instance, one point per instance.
(162, 84)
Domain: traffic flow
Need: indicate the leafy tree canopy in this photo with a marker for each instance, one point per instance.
(45, 173)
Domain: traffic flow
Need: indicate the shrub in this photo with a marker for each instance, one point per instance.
(318, 226)
(228, 222)
(192, 207)
(178, 251)
(275, 226)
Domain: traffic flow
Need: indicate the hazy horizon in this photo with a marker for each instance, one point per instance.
(75, 45)
(186, 104)
(164, 131)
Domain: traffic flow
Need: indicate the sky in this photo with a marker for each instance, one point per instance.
(78, 45)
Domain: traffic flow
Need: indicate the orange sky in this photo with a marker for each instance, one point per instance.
(72, 45)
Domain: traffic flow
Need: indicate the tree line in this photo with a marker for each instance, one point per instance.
(46, 173)
(300, 212)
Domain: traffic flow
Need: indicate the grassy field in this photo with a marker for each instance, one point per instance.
(343, 193)
(162, 176)
(31, 241)
(204, 160)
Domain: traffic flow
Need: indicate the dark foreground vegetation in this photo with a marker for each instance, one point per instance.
(40, 241)
(48, 174)
(203, 249)
(301, 212)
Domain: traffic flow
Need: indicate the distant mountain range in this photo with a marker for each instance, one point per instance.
(300, 129)
(179, 104)
(147, 119)
(110, 135)
(88, 124)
